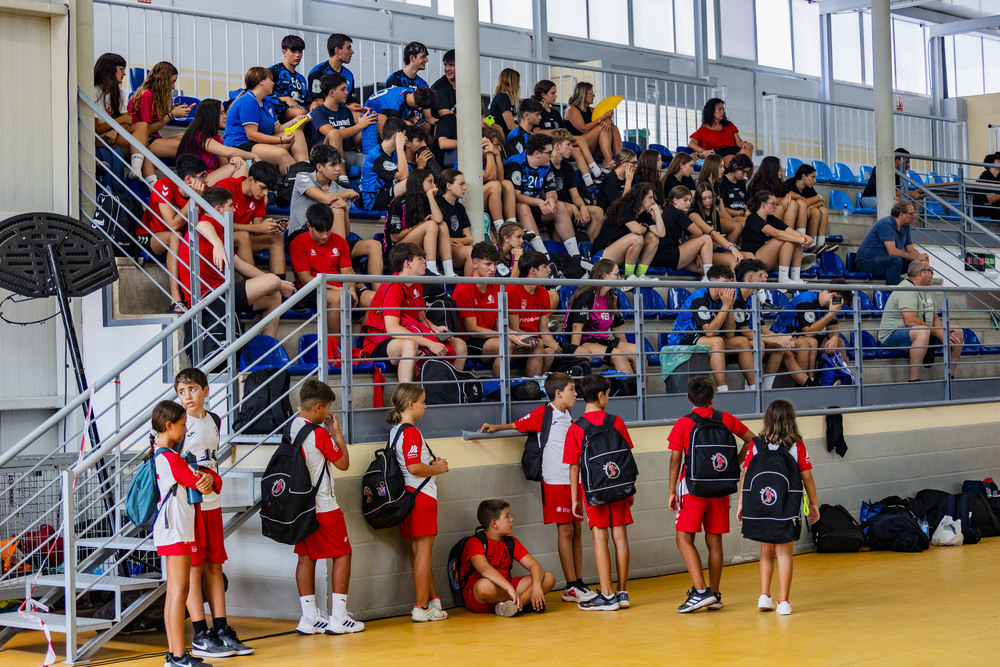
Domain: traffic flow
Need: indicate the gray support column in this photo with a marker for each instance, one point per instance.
(701, 39)
(540, 22)
(884, 138)
(938, 89)
(830, 153)
(470, 153)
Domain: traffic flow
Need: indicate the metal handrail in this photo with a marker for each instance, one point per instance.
(845, 105)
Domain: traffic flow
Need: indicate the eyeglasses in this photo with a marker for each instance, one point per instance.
(770, 203)
(926, 271)
(616, 274)
(546, 152)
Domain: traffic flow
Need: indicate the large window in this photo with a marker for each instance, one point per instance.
(734, 17)
(846, 39)
(774, 34)
(653, 24)
(910, 66)
(967, 65)
(608, 21)
(805, 33)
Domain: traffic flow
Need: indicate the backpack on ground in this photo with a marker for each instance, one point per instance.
(456, 581)
(385, 502)
(534, 445)
(607, 468)
(445, 385)
(564, 266)
(142, 499)
(887, 531)
(987, 487)
(837, 531)
(772, 496)
(925, 505)
(712, 468)
(266, 406)
(117, 216)
(622, 384)
(833, 370)
(287, 494)
(283, 195)
(888, 505)
(984, 519)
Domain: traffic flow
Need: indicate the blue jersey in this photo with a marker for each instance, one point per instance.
(377, 174)
(518, 139)
(399, 78)
(247, 110)
(802, 311)
(391, 100)
(529, 181)
(743, 311)
(316, 73)
(698, 310)
(288, 84)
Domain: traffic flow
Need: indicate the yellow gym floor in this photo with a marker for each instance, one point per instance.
(876, 608)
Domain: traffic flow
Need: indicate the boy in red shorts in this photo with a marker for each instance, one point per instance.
(202, 441)
(693, 512)
(557, 504)
(486, 567)
(615, 516)
(321, 447)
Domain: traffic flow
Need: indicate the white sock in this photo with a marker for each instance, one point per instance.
(497, 224)
(796, 274)
(801, 231)
(594, 169)
(339, 606)
(538, 244)
(136, 161)
(783, 274)
(151, 179)
(308, 603)
(571, 247)
(820, 240)
(588, 180)
(706, 267)
(449, 269)
(511, 220)
(722, 387)
(768, 382)
(751, 387)
(433, 266)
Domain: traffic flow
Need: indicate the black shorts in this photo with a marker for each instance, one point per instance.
(145, 241)
(247, 146)
(475, 345)
(381, 351)
(242, 303)
(382, 200)
(666, 256)
(726, 151)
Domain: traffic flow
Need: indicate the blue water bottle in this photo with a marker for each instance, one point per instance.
(194, 495)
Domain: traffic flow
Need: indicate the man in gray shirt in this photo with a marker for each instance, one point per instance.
(887, 249)
(910, 319)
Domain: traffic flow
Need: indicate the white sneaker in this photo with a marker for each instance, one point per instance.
(346, 625)
(648, 278)
(784, 608)
(764, 603)
(436, 603)
(630, 282)
(420, 615)
(574, 593)
(505, 609)
(318, 626)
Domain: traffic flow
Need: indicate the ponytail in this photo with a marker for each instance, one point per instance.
(404, 394)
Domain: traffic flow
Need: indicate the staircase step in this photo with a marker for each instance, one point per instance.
(126, 543)
(54, 622)
(100, 582)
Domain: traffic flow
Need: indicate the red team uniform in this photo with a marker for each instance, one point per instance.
(330, 540)
(412, 448)
(618, 513)
(394, 300)
(332, 257)
(246, 209)
(498, 557)
(174, 529)
(165, 191)
(529, 306)
(556, 498)
(209, 276)
(202, 440)
(482, 305)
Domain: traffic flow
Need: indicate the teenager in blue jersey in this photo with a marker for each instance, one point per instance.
(291, 90)
(383, 175)
(414, 61)
(340, 48)
(530, 112)
(813, 315)
(395, 102)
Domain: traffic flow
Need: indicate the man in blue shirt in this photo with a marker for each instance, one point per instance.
(291, 90)
(340, 48)
(530, 112)
(333, 123)
(887, 249)
(395, 102)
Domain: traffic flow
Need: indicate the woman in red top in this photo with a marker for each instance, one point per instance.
(151, 108)
(717, 135)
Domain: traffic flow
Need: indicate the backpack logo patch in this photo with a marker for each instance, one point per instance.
(368, 494)
(278, 488)
(719, 462)
(768, 496)
(611, 470)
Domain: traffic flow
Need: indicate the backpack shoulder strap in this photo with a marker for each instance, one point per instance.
(300, 439)
(509, 543)
(217, 419)
(547, 416)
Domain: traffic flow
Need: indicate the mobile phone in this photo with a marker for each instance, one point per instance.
(837, 300)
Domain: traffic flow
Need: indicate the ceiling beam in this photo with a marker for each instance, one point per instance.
(960, 27)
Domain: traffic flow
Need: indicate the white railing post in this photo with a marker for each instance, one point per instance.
(69, 563)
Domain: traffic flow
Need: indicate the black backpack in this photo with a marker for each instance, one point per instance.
(283, 195)
(287, 494)
(837, 531)
(456, 580)
(443, 311)
(772, 496)
(521, 389)
(385, 502)
(622, 384)
(712, 468)
(564, 266)
(117, 216)
(575, 367)
(534, 445)
(983, 518)
(268, 406)
(607, 468)
(926, 503)
(959, 507)
(888, 531)
(445, 385)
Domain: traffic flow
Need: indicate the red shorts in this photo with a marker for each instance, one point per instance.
(423, 520)
(607, 516)
(329, 540)
(557, 504)
(695, 512)
(208, 535)
(178, 549)
(477, 607)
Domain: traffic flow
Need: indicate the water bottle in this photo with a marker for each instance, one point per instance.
(924, 526)
(846, 212)
(194, 495)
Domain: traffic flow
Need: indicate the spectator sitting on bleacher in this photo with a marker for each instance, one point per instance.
(323, 186)
(418, 155)
(511, 248)
(910, 320)
(679, 173)
(546, 93)
(674, 253)
(536, 196)
(712, 175)
(340, 49)
(444, 88)
(717, 135)
(887, 250)
(800, 186)
(396, 325)
(414, 61)
(769, 176)
(151, 107)
(598, 133)
(109, 72)
(702, 321)
(772, 242)
(259, 292)
(630, 235)
(529, 307)
(451, 189)
(595, 326)
(869, 196)
(395, 102)
(705, 216)
(202, 139)
(252, 126)
(809, 315)
(503, 106)
(319, 250)
(166, 220)
(779, 349)
(479, 309)
(619, 179)
(647, 170)
(333, 123)
(252, 232)
(987, 205)
(530, 112)
(384, 173)
(498, 192)
(586, 217)
(415, 217)
(732, 189)
(291, 90)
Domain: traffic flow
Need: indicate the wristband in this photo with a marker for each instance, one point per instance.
(732, 246)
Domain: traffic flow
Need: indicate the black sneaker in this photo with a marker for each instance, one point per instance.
(601, 603)
(696, 600)
(184, 661)
(207, 645)
(227, 636)
(718, 600)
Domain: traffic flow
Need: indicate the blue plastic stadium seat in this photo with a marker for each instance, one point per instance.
(684, 149)
(378, 236)
(916, 176)
(585, 247)
(681, 273)
(676, 296)
(652, 304)
(870, 349)
(632, 146)
(266, 353)
(861, 210)
(624, 304)
(351, 236)
(136, 75)
(186, 120)
(843, 175)
(565, 292)
(656, 271)
(360, 214)
(934, 177)
(865, 305)
(664, 152)
(864, 173)
(274, 209)
(880, 298)
(832, 266)
(791, 166)
(774, 301)
(838, 200)
(823, 172)
(972, 345)
(834, 238)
